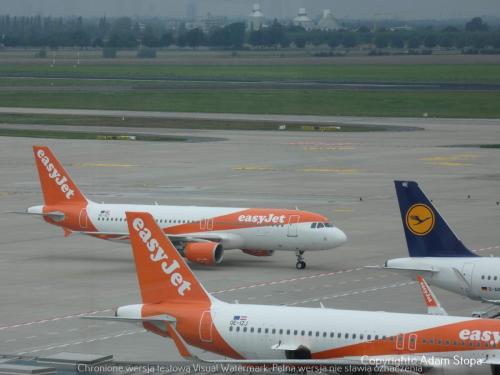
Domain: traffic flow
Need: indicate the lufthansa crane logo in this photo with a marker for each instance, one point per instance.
(420, 219)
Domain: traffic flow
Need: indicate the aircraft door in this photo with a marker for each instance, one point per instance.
(292, 226)
(82, 219)
(400, 342)
(206, 326)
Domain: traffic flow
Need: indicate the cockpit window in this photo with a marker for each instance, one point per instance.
(328, 225)
(320, 225)
(313, 225)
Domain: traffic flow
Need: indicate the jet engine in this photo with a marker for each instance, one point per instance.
(204, 252)
(259, 253)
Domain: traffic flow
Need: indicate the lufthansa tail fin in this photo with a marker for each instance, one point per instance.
(57, 185)
(427, 233)
(162, 274)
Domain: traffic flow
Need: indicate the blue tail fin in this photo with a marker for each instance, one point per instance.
(427, 233)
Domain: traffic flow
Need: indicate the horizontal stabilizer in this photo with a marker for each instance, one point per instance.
(54, 215)
(151, 319)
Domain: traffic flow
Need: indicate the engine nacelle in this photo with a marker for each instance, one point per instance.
(259, 253)
(204, 252)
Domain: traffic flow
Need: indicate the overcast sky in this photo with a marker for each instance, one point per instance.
(402, 9)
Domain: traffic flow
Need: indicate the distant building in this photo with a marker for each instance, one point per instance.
(328, 21)
(401, 28)
(303, 20)
(256, 18)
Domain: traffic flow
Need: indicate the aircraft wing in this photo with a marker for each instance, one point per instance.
(409, 271)
(54, 215)
(340, 365)
(209, 237)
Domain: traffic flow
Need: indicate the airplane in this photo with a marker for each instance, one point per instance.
(201, 234)
(438, 254)
(176, 305)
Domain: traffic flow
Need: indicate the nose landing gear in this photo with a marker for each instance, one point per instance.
(300, 265)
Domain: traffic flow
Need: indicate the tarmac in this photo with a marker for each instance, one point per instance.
(47, 282)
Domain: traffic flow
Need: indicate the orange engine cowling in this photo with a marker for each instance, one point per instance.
(259, 253)
(204, 252)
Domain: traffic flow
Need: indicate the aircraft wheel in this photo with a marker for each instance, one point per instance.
(300, 265)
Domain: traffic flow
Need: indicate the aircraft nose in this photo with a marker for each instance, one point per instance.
(339, 237)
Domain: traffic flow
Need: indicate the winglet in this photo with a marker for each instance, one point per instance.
(433, 305)
(427, 233)
(162, 273)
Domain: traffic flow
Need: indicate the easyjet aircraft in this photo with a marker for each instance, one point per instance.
(175, 304)
(201, 234)
(438, 254)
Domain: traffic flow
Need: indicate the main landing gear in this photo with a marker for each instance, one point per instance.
(300, 265)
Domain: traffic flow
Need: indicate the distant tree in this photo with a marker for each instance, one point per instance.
(335, 40)
(414, 42)
(275, 35)
(451, 29)
(167, 39)
(396, 41)
(149, 39)
(230, 36)
(349, 40)
(195, 38)
(300, 41)
(364, 29)
(381, 40)
(256, 38)
(430, 41)
(445, 40)
(476, 24)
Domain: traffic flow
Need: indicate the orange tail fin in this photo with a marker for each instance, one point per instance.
(57, 185)
(162, 273)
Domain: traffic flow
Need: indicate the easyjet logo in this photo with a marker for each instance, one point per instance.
(262, 219)
(491, 337)
(157, 255)
(54, 174)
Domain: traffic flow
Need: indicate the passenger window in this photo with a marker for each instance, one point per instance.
(440, 342)
(274, 331)
(302, 333)
(251, 330)
(361, 336)
(310, 333)
(369, 337)
(317, 333)
(245, 329)
(376, 337)
(237, 329)
(281, 331)
(287, 331)
(331, 335)
(313, 225)
(231, 328)
(295, 332)
(259, 330)
(424, 341)
(489, 277)
(266, 331)
(324, 334)
(431, 341)
(495, 278)
(482, 277)
(346, 336)
(339, 335)
(353, 336)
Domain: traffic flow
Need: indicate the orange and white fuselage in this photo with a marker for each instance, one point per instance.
(175, 304)
(200, 233)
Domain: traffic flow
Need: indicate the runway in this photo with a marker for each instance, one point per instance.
(48, 281)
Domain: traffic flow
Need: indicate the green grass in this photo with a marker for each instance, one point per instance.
(131, 122)
(310, 102)
(450, 73)
(60, 134)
